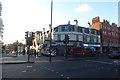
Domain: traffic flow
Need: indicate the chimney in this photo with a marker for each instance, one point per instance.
(76, 24)
(69, 22)
(103, 20)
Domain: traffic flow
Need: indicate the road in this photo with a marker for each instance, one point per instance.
(73, 68)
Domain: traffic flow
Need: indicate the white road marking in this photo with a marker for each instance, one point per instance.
(99, 62)
(48, 69)
(24, 71)
(52, 70)
(61, 75)
(116, 70)
(68, 77)
(34, 69)
(57, 72)
(28, 66)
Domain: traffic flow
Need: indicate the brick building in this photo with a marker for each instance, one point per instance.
(109, 34)
(96, 24)
(119, 36)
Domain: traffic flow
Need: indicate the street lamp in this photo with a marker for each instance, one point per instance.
(51, 29)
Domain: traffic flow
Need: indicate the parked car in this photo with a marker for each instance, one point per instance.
(47, 53)
(114, 54)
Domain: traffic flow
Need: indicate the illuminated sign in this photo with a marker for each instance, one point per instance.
(92, 45)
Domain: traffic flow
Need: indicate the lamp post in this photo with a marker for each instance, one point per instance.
(51, 30)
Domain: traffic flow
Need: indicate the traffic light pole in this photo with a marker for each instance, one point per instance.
(66, 51)
(66, 41)
(28, 51)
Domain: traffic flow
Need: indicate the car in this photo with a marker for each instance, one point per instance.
(114, 54)
(47, 53)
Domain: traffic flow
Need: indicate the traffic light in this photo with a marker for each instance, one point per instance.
(26, 34)
(67, 39)
(33, 35)
(29, 41)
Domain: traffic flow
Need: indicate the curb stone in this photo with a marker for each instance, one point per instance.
(17, 62)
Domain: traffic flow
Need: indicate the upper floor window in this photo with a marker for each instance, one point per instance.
(71, 28)
(91, 38)
(108, 27)
(92, 32)
(87, 31)
(59, 29)
(85, 38)
(105, 33)
(66, 28)
(95, 39)
(95, 32)
(58, 37)
(109, 33)
(102, 27)
(83, 30)
(63, 28)
(88, 38)
(98, 32)
(79, 29)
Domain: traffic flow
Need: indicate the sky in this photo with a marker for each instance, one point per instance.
(20, 16)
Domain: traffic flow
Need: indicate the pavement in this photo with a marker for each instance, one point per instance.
(13, 59)
(19, 59)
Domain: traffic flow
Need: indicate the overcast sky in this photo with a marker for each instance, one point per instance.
(20, 16)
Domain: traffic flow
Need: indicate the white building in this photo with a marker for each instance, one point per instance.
(78, 36)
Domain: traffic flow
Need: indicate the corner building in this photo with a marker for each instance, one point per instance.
(78, 36)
